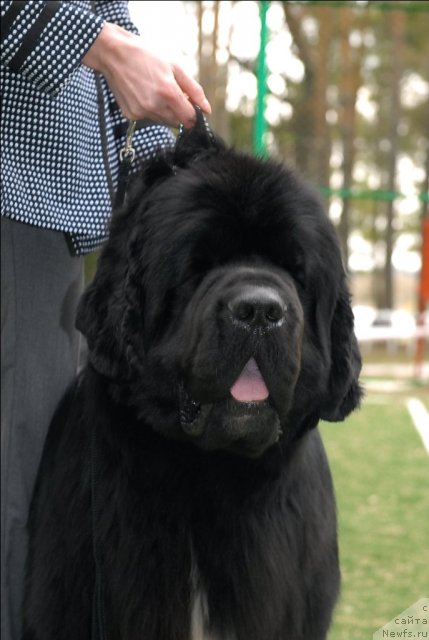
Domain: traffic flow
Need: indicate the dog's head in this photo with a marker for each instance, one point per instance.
(220, 308)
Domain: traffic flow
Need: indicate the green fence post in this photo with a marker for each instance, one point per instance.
(260, 125)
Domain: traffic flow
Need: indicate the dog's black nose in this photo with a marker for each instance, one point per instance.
(257, 306)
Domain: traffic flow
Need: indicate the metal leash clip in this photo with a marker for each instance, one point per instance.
(128, 150)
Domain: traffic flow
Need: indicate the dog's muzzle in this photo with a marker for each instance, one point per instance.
(243, 428)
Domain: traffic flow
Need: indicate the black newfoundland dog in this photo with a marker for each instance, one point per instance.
(184, 492)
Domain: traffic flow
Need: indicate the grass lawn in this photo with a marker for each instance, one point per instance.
(381, 475)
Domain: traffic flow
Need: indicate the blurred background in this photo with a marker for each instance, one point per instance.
(341, 91)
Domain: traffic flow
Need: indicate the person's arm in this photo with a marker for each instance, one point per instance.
(46, 41)
(144, 85)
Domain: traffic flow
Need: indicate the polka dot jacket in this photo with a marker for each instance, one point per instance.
(61, 127)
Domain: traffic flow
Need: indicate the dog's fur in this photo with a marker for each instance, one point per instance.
(214, 518)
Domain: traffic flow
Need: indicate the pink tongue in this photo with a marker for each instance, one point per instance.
(250, 386)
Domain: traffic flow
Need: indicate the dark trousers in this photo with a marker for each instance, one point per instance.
(41, 284)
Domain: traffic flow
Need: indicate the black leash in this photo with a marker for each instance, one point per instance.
(126, 157)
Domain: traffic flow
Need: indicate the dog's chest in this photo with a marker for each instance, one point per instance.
(200, 613)
(199, 616)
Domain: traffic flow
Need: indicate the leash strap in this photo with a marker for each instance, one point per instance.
(126, 157)
(200, 121)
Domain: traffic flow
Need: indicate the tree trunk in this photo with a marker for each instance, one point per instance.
(425, 189)
(303, 119)
(322, 151)
(212, 76)
(397, 19)
(349, 85)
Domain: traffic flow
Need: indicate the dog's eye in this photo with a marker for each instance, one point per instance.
(297, 269)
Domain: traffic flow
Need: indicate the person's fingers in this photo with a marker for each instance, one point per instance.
(169, 117)
(181, 107)
(166, 115)
(192, 88)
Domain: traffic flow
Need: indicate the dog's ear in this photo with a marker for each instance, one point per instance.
(343, 390)
(192, 142)
(103, 314)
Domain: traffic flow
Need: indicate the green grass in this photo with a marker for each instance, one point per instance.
(381, 476)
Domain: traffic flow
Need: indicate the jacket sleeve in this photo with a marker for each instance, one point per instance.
(115, 11)
(46, 41)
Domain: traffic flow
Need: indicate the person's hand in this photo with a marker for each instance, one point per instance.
(144, 85)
